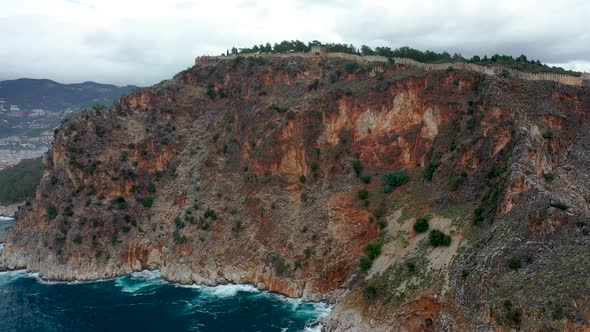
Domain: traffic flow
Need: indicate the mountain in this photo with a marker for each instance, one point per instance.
(53, 96)
(433, 199)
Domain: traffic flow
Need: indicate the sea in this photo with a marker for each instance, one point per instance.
(143, 301)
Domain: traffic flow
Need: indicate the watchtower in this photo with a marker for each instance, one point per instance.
(318, 50)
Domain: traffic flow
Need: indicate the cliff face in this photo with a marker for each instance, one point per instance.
(247, 171)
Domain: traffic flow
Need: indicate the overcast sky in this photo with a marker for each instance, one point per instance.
(145, 41)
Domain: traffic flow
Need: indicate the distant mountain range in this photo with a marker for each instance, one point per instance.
(53, 96)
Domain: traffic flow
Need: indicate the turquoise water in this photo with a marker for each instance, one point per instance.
(144, 302)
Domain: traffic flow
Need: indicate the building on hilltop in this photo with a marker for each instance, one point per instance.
(318, 50)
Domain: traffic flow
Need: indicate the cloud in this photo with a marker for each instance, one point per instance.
(145, 41)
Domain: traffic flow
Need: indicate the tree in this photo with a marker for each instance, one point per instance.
(373, 250)
(438, 238)
(366, 50)
(421, 225)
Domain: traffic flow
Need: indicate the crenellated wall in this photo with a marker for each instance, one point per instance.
(583, 80)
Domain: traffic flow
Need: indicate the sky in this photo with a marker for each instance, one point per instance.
(143, 42)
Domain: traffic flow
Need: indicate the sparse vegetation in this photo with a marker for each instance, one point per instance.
(302, 179)
(77, 239)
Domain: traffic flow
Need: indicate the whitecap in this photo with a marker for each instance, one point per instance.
(230, 290)
(140, 281)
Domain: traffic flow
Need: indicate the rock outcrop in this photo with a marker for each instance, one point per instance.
(247, 171)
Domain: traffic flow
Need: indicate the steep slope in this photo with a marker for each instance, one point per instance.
(248, 170)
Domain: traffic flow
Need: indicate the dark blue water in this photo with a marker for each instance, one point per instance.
(144, 302)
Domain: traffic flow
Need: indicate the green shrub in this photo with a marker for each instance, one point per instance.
(351, 66)
(373, 250)
(357, 166)
(362, 194)
(146, 201)
(124, 155)
(370, 293)
(394, 179)
(429, 170)
(365, 263)
(421, 225)
(51, 211)
(98, 107)
(366, 179)
(151, 188)
(209, 213)
(314, 85)
(549, 176)
(478, 215)
(560, 205)
(514, 264)
(314, 167)
(121, 204)
(77, 239)
(438, 238)
(302, 179)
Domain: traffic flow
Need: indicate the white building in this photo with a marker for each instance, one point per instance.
(14, 108)
(2, 102)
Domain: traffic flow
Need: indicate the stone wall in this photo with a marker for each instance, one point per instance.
(583, 80)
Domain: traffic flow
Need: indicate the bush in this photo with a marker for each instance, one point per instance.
(121, 204)
(314, 85)
(314, 166)
(429, 170)
(357, 166)
(124, 155)
(146, 201)
(438, 238)
(560, 205)
(365, 264)
(152, 188)
(549, 176)
(351, 66)
(362, 194)
(51, 212)
(394, 179)
(421, 225)
(210, 214)
(370, 293)
(366, 179)
(302, 179)
(98, 107)
(77, 239)
(373, 250)
(514, 264)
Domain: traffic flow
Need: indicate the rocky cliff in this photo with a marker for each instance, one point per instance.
(284, 172)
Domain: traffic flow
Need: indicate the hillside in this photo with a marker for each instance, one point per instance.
(53, 96)
(415, 200)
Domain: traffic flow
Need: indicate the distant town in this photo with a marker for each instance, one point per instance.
(27, 133)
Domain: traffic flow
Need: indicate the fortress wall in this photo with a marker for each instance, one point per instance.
(584, 79)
